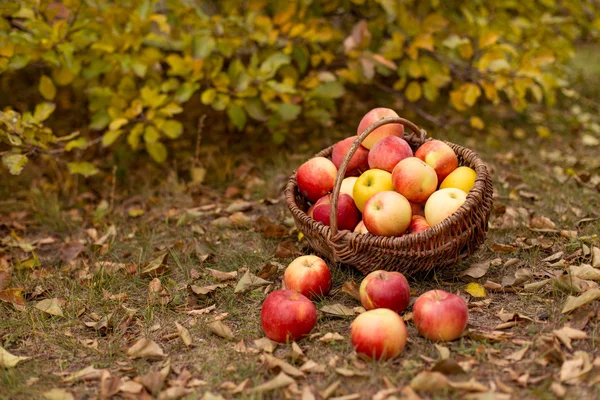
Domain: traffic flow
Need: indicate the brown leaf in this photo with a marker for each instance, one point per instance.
(554, 257)
(470, 386)
(558, 389)
(145, 348)
(576, 367)
(58, 394)
(307, 393)
(71, 250)
(174, 393)
(520, 276)
(429, 381)
(574, 302)
(13, 296)
(312, 367)
(566, 334)
(51, 306)
(184, 334)
(220, 329)
(348, 372)
(351, 288)
(517, 355)
(512, 316)
(339, 310)
(268, 270)
(286, 249)
(567, 234)
(329, 390)
(157, 266)
(87, 374)
(477, 270)
(541, 222)
(266, 344)
(331, 337)
(204, 249)
(153, 382)
(220, 275)
(5, 275)
(280, 381)
(297, 352)
(102, 325)
(203, 291)
(503, 248)
(535, 286)
(585, 271)
(202, 311)
(448, 366)
(274, 231)
(109, 385)
(284, 366)
(595, 257)
(249, 281)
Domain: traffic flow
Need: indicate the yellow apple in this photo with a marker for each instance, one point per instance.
(370, 182)
(462, 178)
(443, 203)
(348, 185)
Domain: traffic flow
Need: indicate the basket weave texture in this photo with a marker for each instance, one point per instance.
(452, 240)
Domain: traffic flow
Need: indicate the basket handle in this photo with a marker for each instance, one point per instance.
(419, 139)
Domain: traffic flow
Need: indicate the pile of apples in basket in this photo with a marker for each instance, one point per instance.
(389, 191)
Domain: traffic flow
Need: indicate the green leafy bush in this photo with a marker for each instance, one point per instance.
(137, 62)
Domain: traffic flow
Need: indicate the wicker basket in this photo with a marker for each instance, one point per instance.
(454, 239)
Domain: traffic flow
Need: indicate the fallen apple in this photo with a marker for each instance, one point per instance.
(440, 316)
(378, 334)
(287, 315)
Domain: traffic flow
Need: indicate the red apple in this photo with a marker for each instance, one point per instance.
(347, 213)
(388, 152)
(384, 289)
(387, 213)
(287, 315)
(439, 315)
(361, 228)
(316, 178)
(308, 275)
(381, 132)
(358, 162)
(442, 204)
(414, 179)
(418, 223)
(378, 334)
(417, 209)
(439, 156)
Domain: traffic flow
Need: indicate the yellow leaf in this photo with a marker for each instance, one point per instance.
(47, 88)
(8, 360)
(414, 69)
(117, 123)
(285, 13)
(457, 98)
(423, 41)
(477, 123)
(490, 91)
(465, 51)
(475, 290)
(413, 91)
(472, 93)
(157, 151)
(488, 39)
(434, 22)
(543, 132)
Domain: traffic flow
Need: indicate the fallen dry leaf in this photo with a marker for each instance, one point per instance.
(541, 222)
(307, 393)
(220, 329)
(8, 360)
(157, 266)
(220, 275)
(87, 374)
(518, 355)
(312, 367)
(352, 289)
(249, 281)
(520, 276)
(184, 334)
(475, 290)
(348, 372)
(329, 390)
(575, 368)
(274, 362)
(574, 302)
(50, 306)
(585, 271)
(268, 270)
(202, 311)
(566, 334)
(58, 394)
(558, 389)
(203, 291)
(280, 381)
(286, 249)
(174, 393)
(428, 381)
(5, 275)
(535, 286)
(339, 310)
(145, 348)
(477, 270)
(595, 257)
(470, 386)
(266, 344)
(331, 337)
(443, 351)
(15, 297)
(109, 385)
(71, 250)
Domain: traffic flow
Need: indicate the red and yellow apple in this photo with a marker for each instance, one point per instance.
(370, 182)
(462, 178)
(388, 152)
(347, 213)
(316, 178)
(348, 185)
(385, 289)
(414, 179)
(442, 204)
(379, 334)
(361, 228)
(439, 315)
(439, 156)
(287, 315)
(387, 213)
(418, 223)
(358, 162)
(381, 132)
(308, 275)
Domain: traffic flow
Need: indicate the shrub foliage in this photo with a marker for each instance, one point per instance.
(137, 62)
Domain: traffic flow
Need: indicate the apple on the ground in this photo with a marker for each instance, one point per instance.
(385, 289)
(347, 213)
(287, 315)
(378, 334)
(348, 185)
(316, 178)
(414, 179)
(462, 178)
(381, 132)
(358, 162)
(388, 152)
(418, 223)
(370, 182)
(442, 204)
(387, 213)
(361, 228)
(308, 275)
(439, 156)
(439, 315)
